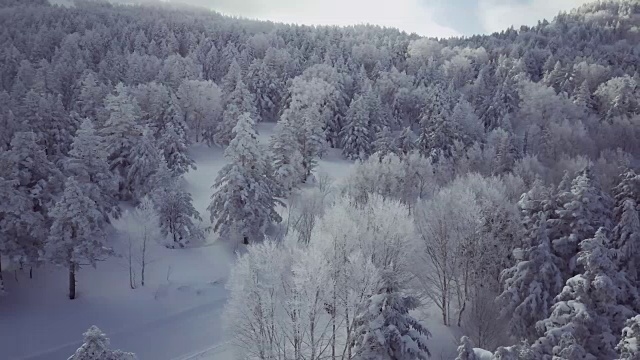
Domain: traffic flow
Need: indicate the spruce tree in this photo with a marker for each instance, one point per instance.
(177, 215)
(96, 347)
(87, 162)
(243, 202)
(77, 235)
(356, 140)
(384, 328)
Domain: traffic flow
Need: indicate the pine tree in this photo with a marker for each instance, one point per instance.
(33, 182)
(582, 210)
(244, 202)
(383, 144)
(406, 142)
(629, 346)
(587, 312)
(177, 214)
(437, 131)
(626, 233)
(238, 102)
(174, 143)
(384, 328)
(356, 140)
(120, 134)
(96, 347)
(77, 234)
(531, 285)
(144, 160)
(287, 160)
(465, 350)
(87, 162)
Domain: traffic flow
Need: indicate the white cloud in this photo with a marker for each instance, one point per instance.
(497, 15)
(407, 15)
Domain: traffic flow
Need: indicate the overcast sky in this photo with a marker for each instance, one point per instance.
(439, 18)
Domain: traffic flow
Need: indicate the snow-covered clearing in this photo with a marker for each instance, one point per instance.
(176, 315)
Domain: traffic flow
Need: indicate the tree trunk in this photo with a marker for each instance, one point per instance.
(144, 258)
(72, 281)
(1, 278)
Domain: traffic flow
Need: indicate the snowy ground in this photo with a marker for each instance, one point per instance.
(176, 316)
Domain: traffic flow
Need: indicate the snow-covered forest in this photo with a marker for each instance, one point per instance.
(335, 192)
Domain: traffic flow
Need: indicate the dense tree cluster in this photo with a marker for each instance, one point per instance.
(497, 168)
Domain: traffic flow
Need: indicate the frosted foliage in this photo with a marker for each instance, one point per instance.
(629, 346)
(96, 347)
(77, 234)
(244, 202)
(465, 350)
(385, 328)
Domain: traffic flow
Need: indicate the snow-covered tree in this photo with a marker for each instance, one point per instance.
(386, 330)
(32, 183)
(77, 235)
(238, 102)
(177, 215)
(383, 143)
(588, 311)
(406, 141)
(437, 131)
(144, 160)
(583, 209)
(286, 157)
(201, 102)
(121, 133)
(174, 143)
(629, 346)
(243, 203)
(356, 139)
(531, 285)
(87, 162)
(96, 347)
(465, 350)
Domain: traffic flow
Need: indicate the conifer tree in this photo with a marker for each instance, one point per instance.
(588, 311)
(465, 350)
(120, 134)
(386, 330)
(77, 235)
(87, 162)
(356, 140)
(177, 215)
(629, 346)
(243, 202)
(96, 347)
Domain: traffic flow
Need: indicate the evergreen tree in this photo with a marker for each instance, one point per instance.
(383, 144)
(437, 131)
(77, 234)
(465, 350)
(626, 233)
(582, 210)
(531, 285)
(238, 102)
(96, 347)
(120, 134)
(174, 144)
(244, 202)
(144, 160)
(588, 310)
(287, 159)
(177, 214)
(87, 162)
(33, 182)
(356, 140)
(629, 346)
(385, 330)
(406, 142)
